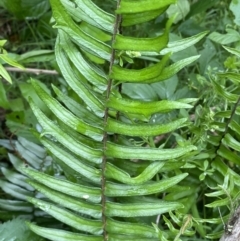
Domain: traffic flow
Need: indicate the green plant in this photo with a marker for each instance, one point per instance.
(117, 176)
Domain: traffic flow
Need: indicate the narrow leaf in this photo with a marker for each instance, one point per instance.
(130, 7)
(75, 221)
(143, 129)
(82, 91)
(93, 210)
(61, 235)
(142, 75)
(115, 190)
(143, 44)
(79, 191)
(65, 22)
(66, 116)
(75, 146)
(182, 44)
(139, 229)
(139, 209)
(118, 174)
(145, 108)
(87, 171)
(141, 153)
(90, 72)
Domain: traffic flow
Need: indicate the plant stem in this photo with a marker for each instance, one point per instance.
(32, 71)
(106, 114)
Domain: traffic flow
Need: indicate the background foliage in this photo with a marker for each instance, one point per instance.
(211, 188)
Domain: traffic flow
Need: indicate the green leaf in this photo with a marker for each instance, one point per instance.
(14, 205)
(16, 178)
(144, 108)
(66, 116)
(115, 190)
(118, 174)
(142, 75)
(233, 51)
(73, 220)
(90, 72)
(139, 229)
(136, 18)
(61, 235)
(140, 209)
(10, 61)
(87, 171)
(225, 94)
(16, 230)
(90, 13)
(4, 103)
(64, 200)
(183, 44)
(234, 7)
(143, 44)
(231, 142)
(179, 9)
(65, 23)
(130, 7)
(72, 79)
(76, 108)
(230, 37)
(91, 154)
(141, 153)
(91, 194)
(15, 190)
(26, 9)
(5, 74)
(143, 129)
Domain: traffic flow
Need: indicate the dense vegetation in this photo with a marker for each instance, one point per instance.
(120, 119)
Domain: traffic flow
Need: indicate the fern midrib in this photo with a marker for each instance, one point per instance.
(106, 115)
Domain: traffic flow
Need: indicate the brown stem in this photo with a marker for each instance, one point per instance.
(32, 71)
(106, 114)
